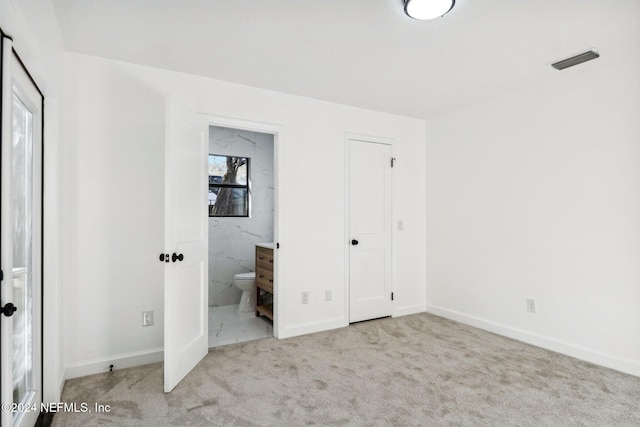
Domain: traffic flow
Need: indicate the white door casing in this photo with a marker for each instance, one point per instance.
(21, 251)
(370, 263)
(186, 234)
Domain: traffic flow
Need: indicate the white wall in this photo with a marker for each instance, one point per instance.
(36, 38)
(113, 167)
(537, 194)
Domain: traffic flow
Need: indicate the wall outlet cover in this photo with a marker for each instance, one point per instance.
(147, 318)
(531, 305)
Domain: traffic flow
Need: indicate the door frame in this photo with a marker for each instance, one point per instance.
(276, 131)
(42, 171)
(347, 215)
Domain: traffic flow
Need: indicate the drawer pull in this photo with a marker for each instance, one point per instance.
(270, 280)
(261, 276)
(270, 261)
(260, 258)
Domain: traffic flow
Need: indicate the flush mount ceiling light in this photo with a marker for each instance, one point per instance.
(427, 9)
(575, 60)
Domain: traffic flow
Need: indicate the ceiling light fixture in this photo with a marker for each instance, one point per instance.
(575, 60)
(427, 9)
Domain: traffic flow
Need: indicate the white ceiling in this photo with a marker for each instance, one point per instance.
(364, 53)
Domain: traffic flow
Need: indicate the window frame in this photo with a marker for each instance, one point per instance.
(233, 186)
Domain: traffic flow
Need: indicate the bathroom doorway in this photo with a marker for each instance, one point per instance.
(241, 217)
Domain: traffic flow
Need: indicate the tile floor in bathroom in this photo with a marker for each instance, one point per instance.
(227, 325)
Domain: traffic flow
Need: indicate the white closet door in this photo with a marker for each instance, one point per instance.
(370, 230)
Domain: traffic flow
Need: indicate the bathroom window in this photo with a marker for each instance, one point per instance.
(228, 186)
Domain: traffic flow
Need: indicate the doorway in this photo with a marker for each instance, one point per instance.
(21, 247)
(241, 219)
(186, 237)
(370, 199)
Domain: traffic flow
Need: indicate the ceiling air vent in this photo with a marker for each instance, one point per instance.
(575, 60)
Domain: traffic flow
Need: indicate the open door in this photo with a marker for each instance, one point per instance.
(21, 244)
(186, 244)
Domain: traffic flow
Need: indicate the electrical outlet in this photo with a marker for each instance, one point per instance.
(147, 318)
(531, 305)
(327, 295)
(305, 297)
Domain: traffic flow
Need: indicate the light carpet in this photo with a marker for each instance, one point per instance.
(418, 370)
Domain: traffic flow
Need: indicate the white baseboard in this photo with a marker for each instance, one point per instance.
(409, 309)
(623, 365)
(120, 361)
(312, 327)
(340, 322)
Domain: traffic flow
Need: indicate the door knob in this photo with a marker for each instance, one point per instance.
(354, 242)
(175, 257)
(8, 309)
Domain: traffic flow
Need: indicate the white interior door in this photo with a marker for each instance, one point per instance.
(21, 247)
(370, 230)
(186, 244)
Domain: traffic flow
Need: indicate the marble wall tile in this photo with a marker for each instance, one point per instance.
(232, 240)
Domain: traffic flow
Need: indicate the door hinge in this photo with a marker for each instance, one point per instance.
(393, 160)
(277, 245)
(1, 276)
(391, 296)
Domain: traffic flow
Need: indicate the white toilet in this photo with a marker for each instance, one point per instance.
(246, 282)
